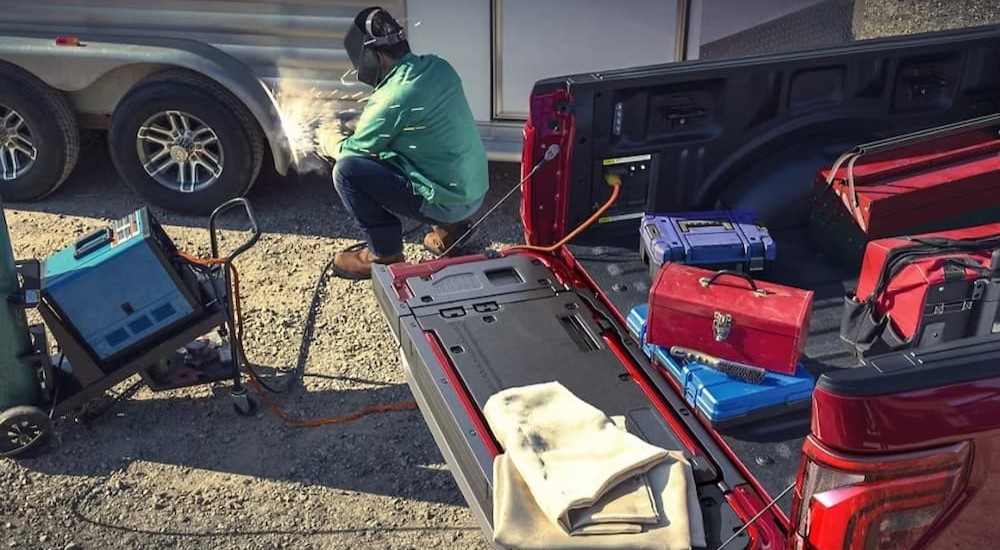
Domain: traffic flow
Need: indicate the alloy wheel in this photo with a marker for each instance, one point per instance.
(17, 145)
(180, 151)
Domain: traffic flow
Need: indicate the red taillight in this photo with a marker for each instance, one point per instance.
(874, 503)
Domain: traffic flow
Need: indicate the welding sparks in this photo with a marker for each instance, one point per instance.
(343, 77)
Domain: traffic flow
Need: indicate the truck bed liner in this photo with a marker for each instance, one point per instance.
(770, 450)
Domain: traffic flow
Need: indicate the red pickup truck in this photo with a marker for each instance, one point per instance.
(896, 453)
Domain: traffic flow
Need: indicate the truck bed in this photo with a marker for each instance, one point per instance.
(770, 450)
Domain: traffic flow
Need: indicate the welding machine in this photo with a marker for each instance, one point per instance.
(120, 286)
(121, 301)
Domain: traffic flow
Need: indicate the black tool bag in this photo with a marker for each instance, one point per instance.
(987, 320)
(959, 308)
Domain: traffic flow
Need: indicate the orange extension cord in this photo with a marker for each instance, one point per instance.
(255, 382)
(616, 186)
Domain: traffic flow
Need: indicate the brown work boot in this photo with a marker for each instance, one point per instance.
(442, 237)
(357, 265)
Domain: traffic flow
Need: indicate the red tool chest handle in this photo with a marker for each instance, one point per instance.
(707, 281)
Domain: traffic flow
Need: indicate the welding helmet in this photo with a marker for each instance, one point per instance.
(361, 43)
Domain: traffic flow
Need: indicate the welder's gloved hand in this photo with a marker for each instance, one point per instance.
(348, 122)
(329, 135)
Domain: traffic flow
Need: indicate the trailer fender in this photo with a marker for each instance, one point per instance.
(75, 68)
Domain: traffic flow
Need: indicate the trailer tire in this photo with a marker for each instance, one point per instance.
(227, 156)
(48, 124)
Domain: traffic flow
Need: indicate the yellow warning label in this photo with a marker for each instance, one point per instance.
(608, 219)
(626, 160)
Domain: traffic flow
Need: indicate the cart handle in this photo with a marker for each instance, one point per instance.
(707, 281)
(255, 230)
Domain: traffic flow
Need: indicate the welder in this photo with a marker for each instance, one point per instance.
(415, 150)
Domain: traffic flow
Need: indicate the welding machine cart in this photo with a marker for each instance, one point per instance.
(86, 378)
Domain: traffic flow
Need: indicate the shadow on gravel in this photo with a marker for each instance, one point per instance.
(304, 205)
(79, 511)
(389, 454)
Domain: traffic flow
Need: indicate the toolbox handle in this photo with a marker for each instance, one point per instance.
(688, 225)
(254, 229)
(91, 242)
(924, 247)
(707, 281)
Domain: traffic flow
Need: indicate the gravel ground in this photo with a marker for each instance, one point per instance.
(879, 18)
(180, 470)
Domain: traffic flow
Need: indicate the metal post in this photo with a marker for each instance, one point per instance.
(18, 381)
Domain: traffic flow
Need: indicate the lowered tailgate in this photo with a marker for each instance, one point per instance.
(470, 327)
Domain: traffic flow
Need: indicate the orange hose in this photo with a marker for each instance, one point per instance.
(316, 422)
(615, 191)
(255, 382)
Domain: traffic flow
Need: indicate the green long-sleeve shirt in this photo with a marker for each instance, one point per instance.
(419, 121)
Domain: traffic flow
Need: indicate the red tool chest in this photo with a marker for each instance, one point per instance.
(922, 182)
(729, 315)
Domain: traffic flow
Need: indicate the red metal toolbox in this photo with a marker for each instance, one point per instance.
(927, 181)
(923, 290)
(729, 315)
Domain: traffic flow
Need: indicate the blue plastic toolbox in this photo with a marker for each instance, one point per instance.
(118, 286)
(722, 400)
(720, 239)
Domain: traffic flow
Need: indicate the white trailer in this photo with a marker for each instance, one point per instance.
(197, 95)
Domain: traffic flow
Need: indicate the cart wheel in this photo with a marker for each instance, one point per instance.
(246, 407)
(23, 431)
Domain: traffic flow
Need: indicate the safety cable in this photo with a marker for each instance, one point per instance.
(759, 514)
(550, 153)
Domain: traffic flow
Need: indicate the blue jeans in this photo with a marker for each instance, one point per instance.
(374, 193)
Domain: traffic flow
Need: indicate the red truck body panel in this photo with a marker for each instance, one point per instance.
(927, 419)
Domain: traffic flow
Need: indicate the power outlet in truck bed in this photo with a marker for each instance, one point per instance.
(637, 172)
